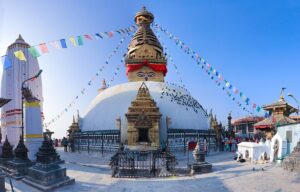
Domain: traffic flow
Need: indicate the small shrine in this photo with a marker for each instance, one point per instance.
(46, 174)
(143, 118)
(199, 165)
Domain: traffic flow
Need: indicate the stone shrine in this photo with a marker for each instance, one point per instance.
(199, 165)
(46, 174)
(143, 120)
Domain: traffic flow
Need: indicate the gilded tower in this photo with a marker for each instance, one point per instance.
(145, 59)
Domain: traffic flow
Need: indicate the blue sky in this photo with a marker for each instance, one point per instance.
(254, 44)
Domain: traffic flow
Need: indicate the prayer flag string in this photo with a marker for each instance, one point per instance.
(212, 72)
(82, 91)
(75, 41)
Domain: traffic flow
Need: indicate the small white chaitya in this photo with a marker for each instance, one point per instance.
(254, 151)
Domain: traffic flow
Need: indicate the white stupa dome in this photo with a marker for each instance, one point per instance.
(112, 103)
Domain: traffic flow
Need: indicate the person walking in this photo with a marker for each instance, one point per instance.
(230, 144)
(205, 146)
(65, 143)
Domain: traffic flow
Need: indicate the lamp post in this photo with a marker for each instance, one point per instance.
(21, 151)
(22, 108)
(292, 96)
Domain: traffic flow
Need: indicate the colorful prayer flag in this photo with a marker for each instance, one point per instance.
(80, 40)
(20, 55)
(72, 40)
(6, 62)
(247, 100)
(63, 43)
(34, 52)
(258, 109)
(55, 44)
(43, 48)
(88, 37)
(98, 35)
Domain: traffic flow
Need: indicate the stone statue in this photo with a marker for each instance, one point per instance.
(27, 94)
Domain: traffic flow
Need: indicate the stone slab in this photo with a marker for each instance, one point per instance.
(202, 167)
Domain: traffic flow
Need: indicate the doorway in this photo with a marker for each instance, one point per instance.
(143, 135)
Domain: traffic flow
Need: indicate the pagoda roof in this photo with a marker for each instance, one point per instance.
(272, 121)
(280, 103)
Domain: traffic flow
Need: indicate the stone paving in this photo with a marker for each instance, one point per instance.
(92, 173)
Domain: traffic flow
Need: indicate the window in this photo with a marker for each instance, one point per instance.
(289, 136)
(250, 128)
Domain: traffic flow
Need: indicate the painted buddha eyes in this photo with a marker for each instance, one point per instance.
(145, 74)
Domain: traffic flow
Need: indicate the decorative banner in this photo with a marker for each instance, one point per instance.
(82, 92)
(75, 41)
(210, 69)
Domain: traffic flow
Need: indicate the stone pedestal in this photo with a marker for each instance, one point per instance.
(33, 128)
(46, 174)
(21, 162)
(47, 177)
(199, 165)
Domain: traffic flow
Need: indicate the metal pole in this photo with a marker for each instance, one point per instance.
(184, 145)
(22, 120)
(88, 147)
(22, 87)
(102, 143)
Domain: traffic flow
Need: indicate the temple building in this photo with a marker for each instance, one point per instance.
(144, 110)
(244, 127)
(12, 79)
(280, 112)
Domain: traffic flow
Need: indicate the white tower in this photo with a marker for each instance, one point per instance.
(12, 79)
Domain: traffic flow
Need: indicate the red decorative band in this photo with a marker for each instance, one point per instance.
(154, 66)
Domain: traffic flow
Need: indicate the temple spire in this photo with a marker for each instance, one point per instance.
(145, 59)
(282, 94)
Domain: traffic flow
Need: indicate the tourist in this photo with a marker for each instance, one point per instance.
(222, 144)
(65, 143)
(205, 146)
(234, 147)
(230, 144)
(226, 144)
(56, 142)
